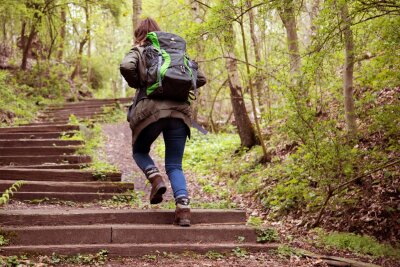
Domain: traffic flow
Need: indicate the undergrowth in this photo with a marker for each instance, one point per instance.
(360, 244)
(18, 103)
(90, 132)
(99, 258)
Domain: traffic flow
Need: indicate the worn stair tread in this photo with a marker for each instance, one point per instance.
(54, 175)
(116, 250)
(127, 233)
(35, 135)
(39, 142)
(38, 150)
(49, 186)
(50, 166)
(32, 160)
(52, 128)
(65, 196)
(137, 216)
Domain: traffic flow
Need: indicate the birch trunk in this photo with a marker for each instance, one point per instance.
(348, 72)
(137, 12)
(258, 81)
(289, 21)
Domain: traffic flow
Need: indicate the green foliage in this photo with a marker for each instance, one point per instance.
(240, 252)
(240, 239)
(17, 103)
(214, 255)
(46, 80)
(114, 114)
(205, 153)
(361, 244)
(93, 138)
(265, 235)
(11, 261)
(286, 251)
(150, 257)
(131, 198)
(97, 259)
(10, 192)
(255, 221)
(3, 240)
(200, 204)
(81, 259)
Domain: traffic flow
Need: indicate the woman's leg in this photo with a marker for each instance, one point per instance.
(141, 148)
(175, 134)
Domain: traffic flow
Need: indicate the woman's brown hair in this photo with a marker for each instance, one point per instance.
(147, 25)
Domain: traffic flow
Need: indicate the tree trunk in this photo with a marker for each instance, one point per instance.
(266, 157)
(195, 7)
(137, 12)
(62, 34)
(77, 69)
(245, 128)
(89, 48)
(289, 21)
(4, 29)
(314, 12)
(27, 47)
(258, 81)
(348, 71)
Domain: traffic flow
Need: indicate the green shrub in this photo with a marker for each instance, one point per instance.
(358, 243)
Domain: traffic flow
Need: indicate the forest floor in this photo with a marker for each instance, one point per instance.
(118, 152)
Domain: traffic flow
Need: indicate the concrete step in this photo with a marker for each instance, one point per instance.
(64, 196)
(37, 151)
(132, 250)
(46, 123)
(66, 117)
(54, 175)
(39, 142)
(82, 110)
(34, 135)
(89, 187)
(67, 114)
(36, 129)
(85, 107)
(93, 102)
(37, 217)
(33, 160)
(50, 166)
(126, 233)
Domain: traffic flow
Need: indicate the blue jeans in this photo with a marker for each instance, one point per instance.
(175, 134)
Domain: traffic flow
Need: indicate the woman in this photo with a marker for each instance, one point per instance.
(148, 118)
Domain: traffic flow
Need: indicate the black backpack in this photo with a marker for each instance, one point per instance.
(170, 74)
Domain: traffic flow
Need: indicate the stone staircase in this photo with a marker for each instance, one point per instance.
(125, 232)
(49, 166)
(34, 153)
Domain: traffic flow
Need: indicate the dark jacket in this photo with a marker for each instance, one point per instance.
(146, 111)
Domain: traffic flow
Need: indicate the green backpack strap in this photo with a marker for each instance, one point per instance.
(162, 68)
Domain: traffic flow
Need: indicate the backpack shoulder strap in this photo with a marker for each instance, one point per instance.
(141, 63)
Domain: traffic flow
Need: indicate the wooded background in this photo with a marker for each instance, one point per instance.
(312, 86)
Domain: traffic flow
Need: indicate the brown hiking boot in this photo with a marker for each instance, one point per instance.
(182, 212)
(158, 187)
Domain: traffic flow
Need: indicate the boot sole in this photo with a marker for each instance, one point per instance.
(157, 198)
